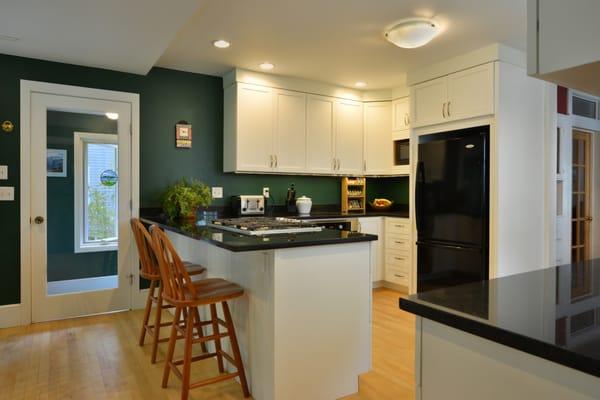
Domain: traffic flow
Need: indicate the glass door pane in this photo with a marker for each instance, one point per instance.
(82, 202)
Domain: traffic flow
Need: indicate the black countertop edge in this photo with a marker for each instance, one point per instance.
(240, 243)
(526, 344)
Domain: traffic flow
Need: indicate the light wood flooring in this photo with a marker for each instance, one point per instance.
(98, 358)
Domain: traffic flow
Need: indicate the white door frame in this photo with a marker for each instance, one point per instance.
(20, 314)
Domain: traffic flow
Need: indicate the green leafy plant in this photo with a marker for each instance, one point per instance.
(185, 197)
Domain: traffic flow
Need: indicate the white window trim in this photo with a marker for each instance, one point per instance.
(80, 138)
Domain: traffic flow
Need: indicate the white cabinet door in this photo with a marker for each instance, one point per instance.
(378, 138)
(290, 131)
(255, 128)
(428, 100)
(471, 92)
(349, 136)
(374, 226)
(319, 134)
(401, 114)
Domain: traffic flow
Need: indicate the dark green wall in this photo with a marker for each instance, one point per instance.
(166, 97)
(63, 262)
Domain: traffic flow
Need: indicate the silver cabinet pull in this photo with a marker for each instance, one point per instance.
(448, 109)
(400, 258)
(399, 226)
(276, 161)
(399, 276)
(271, 161)
(405, 122)
(338, 164)
(444, 110)
(396, 241)
(364, 165)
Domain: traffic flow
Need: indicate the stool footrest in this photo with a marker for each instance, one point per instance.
(199, 357)
(216, 379)
(210, 337)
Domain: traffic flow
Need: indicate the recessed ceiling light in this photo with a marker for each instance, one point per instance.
(221, 44)
(412, 33)
(360, 84)
(267, 66)
(112, 115)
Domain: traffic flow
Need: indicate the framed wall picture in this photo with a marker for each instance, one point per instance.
(56, 163)
(183, 135)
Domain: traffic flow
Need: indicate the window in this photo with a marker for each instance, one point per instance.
(584, 107)
(96, 192)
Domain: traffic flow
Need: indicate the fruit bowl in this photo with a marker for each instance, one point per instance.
(381, 204)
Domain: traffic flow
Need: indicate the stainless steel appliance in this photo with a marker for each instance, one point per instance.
(249, 204)
(257, 226)
(401, 152)
(349, 224)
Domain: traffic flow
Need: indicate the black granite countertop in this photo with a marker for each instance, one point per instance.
(552, 313)
(236, 242)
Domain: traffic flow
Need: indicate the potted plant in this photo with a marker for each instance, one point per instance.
(183, 199)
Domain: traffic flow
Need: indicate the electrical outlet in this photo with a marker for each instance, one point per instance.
(266, 192)
(3, 172)
(217, 192)
(7, 193)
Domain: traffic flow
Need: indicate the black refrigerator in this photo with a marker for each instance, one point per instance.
(452, 208)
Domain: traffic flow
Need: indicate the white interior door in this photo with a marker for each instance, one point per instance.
(80, 206)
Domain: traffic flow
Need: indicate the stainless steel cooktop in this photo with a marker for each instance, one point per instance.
(264, 225)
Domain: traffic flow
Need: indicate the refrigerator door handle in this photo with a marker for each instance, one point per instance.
(448, 246)
(418, 194)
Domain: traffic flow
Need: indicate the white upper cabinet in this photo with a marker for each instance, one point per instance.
(378, 137)
(429, 102)
(255, 128)
(348, 147)
(290, 131)
(319, 134)
(400, 114)
(471, 93)
(461, 95)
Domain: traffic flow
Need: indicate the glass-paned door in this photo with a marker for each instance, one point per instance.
(80, 203)
(580, 214)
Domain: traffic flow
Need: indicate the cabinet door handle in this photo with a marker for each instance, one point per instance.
(399, 276)
(276, 161)
(400, 258)
(405, 123)
(448, 109)
(271, 161)
(399, 226)
(399, 242)
(338, 164)
(364, 165)
(444, 110)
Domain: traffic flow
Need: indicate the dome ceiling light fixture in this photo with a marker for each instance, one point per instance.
(412, 33)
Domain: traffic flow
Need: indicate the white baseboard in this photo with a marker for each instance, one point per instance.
(11, 315)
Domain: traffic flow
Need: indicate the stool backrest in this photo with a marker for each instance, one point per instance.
(174, 276)
(143, 241)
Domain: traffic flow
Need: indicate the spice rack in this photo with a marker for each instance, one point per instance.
(354, 193)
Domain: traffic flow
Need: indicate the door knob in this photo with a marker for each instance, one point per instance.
(38, 220)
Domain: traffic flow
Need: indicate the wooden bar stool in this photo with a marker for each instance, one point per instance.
(150, 271)
(185, 295)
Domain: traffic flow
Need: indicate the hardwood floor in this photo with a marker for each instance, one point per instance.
(98, 358)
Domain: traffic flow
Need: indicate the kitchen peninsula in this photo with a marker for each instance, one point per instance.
(304, 322)
(534, 335)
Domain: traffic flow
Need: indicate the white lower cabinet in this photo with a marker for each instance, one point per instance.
(374, 226)
(398, 251)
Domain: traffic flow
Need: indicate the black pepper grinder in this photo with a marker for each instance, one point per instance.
(290, 199)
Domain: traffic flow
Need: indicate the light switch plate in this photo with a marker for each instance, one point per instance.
(3, 172)
(217, 192)
(7, 193)
(266, 192)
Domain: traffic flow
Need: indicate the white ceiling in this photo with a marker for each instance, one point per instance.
(337, 41)
(124, 35)
(334, 41)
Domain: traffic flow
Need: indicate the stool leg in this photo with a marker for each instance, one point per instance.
(215, 327)
(235, 348)
(200, 330)
(147, 312)
(171, 350)
(187, 355)
(157, 322)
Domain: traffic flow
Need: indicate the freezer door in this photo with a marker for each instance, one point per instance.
(452, 187)
(444, 265)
